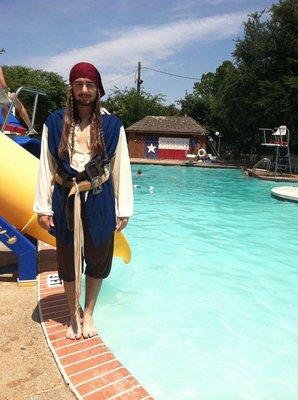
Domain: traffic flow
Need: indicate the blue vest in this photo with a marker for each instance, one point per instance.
(100, 208)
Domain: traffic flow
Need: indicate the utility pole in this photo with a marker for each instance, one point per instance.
(139, 80)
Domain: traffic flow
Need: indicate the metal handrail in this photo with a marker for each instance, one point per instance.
(266, 161)
(13, 101)
(213, 147)
(264, 130)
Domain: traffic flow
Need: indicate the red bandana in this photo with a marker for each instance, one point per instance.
(88, 71)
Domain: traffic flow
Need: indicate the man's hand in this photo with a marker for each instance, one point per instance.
(121, 223)
(46, 221)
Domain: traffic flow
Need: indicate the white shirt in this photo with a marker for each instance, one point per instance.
(120, 175)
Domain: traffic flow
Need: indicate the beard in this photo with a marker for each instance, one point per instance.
(85, 101)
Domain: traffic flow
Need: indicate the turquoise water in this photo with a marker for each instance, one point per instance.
(208, 307)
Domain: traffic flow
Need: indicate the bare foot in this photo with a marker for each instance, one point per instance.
(89, 329)
(74, 331)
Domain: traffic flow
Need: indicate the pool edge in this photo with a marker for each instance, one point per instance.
(121, 384)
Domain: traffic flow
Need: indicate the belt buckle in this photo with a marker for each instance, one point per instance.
(96, 185)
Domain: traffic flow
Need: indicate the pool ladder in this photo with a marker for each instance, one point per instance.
(263, 164)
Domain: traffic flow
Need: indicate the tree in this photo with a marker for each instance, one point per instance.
(131, 107)
(267, 58)
(259, 88)
(208, 103)
(195, 106)
(50, 82)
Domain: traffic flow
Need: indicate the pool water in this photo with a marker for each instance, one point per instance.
(207, 309)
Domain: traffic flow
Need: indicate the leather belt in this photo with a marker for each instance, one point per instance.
(83, 186)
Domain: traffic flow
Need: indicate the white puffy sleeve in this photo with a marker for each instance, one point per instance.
(47, 169)
(121, 176)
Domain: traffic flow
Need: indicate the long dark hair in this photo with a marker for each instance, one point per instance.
(71, 118)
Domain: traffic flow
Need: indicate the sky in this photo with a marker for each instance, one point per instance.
(186, 37)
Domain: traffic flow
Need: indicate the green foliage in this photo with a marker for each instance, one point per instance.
(131, 107)
(50, 82)
(260, 88)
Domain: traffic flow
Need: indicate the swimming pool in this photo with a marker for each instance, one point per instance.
(208, 307)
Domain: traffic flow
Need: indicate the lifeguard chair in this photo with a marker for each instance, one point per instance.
(279, 138)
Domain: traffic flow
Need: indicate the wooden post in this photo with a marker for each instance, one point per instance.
(139, 80)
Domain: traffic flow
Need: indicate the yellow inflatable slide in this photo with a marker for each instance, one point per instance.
(18, 176)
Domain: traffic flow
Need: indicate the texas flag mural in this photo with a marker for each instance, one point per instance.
(170, 148)
(166, 148)
(151, 147)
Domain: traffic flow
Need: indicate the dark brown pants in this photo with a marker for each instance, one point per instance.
(98, 258)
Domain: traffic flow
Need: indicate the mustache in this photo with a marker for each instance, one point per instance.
(84, 102)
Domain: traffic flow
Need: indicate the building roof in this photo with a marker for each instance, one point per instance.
(167, 125)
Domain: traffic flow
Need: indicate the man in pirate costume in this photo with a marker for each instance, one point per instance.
(85, 156)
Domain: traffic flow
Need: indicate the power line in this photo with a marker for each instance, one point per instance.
(169, 73)
(116, 79)
(135, 74)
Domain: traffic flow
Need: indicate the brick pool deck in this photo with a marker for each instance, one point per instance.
(87, 365)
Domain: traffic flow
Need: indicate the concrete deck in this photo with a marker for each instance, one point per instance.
(270, 176)
(185, 163)
(28, 371)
